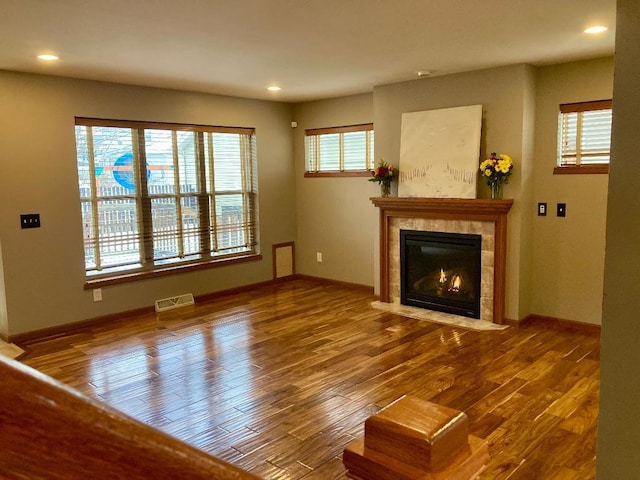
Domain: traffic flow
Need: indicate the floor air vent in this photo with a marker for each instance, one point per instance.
(170, 303)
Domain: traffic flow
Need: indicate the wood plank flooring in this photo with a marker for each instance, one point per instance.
(279, 380)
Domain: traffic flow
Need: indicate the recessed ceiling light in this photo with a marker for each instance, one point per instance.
(274, 88)
(596, 29)
(48, 57)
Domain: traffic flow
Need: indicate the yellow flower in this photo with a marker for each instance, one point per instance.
(487, 163)
(497, 168)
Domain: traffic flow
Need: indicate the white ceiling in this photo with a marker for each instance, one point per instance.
(313, 49)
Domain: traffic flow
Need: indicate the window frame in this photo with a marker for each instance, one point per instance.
(578, 167)
(207, 256)
(369, 160)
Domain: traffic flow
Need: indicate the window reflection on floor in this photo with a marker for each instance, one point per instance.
(170, 380)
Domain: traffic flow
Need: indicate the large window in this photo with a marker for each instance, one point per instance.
(157, 196)
(584, 137)
(339, 151)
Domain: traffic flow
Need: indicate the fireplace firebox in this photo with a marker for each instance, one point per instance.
(441, 271)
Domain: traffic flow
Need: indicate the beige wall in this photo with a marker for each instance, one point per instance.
(568, 253)
(43, 268)
(520, 105)
(4, 321)
(334, 215)
(506, 96)
(619, 419)
(527, 167)
(555, 266)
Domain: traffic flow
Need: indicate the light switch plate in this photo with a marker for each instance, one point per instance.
(30, 220)
(562, 210)
(542, 209)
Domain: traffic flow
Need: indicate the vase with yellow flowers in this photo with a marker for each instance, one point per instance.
(384, 174)
(496, 171)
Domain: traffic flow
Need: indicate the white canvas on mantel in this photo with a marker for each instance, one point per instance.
(439, 152)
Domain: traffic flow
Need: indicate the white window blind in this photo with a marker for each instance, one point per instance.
(154, 195)
(339, 149)
(584, 133)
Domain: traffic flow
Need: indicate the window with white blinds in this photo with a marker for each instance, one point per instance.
(584, 134)
(158, 195)
(339, 150)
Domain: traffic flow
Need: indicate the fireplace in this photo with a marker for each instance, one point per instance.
(441, 271)
(487, 218)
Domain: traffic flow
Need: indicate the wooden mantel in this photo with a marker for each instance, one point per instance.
(483, 210)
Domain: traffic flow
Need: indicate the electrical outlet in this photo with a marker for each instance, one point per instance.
(97, 294)
(319, 257)
(542, 209)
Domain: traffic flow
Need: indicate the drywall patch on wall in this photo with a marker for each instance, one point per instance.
(284, 260)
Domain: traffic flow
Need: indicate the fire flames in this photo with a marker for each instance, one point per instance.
(456, 284)
(443, 277)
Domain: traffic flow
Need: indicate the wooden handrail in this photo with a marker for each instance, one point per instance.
(48, 430)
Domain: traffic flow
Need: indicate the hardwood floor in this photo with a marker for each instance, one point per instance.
(279, 380)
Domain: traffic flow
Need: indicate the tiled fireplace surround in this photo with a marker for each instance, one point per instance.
(487, 218)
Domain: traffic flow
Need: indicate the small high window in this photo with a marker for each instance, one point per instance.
(339, 151)
(584, 137)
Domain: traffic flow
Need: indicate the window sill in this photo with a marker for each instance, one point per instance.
(581, 169)
(168, 270)
(355, 173)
